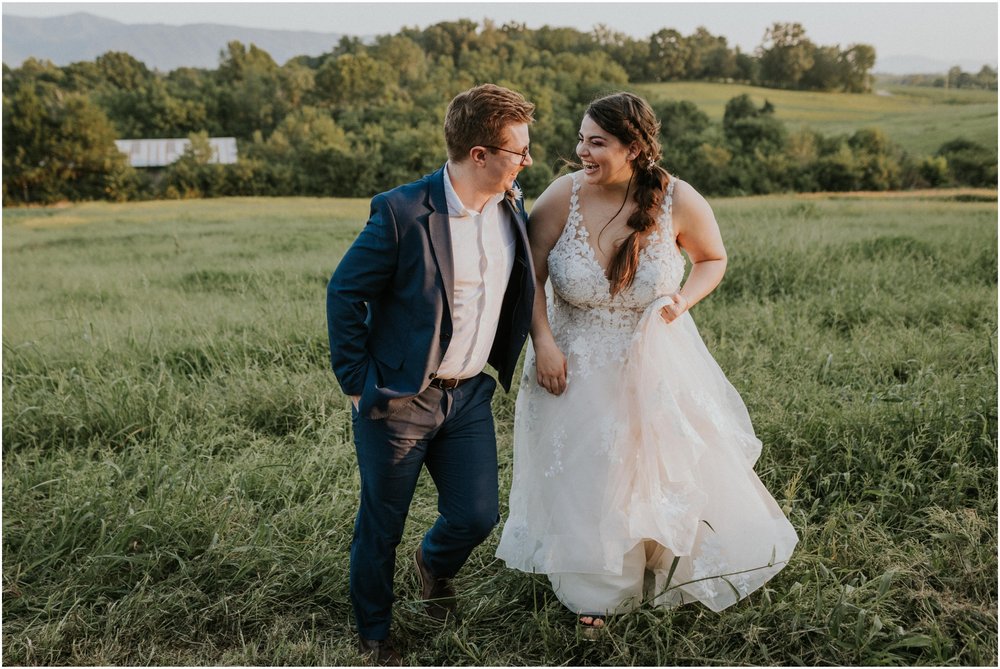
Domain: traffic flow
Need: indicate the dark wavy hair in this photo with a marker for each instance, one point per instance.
(630, 119)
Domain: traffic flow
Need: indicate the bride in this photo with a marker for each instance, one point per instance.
(632, 452)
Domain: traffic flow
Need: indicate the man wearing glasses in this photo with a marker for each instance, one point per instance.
(438, 284)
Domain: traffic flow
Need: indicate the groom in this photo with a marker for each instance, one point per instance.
(438, 283)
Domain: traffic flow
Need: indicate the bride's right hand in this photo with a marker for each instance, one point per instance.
(550, 364)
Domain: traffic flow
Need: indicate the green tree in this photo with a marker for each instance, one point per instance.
(933, 170)
(680, 120)
(404, 57)
(316, 149)
(59, 146)
(710, 168)
(668, 55)
(82, 77)
(355, 80)
(826, 71)
(682, 132)
(786, 55)
(410, 152)
(856, 64)
(709, 56)
(747, 68)
(876, 158)
(749, 129)
(449, 39)
(970, 163)
(802, 150)
(563, 40)
(295, 82)
(987, 78)
(249, 96)
(123, 71)
(953, 77)
(150, 111)
(837, 170)
(41, 74)
(198, 90)
(631, 54)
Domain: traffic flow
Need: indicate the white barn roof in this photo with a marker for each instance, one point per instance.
(161, 152)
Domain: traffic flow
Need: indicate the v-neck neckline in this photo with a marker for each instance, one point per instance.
(582, 234)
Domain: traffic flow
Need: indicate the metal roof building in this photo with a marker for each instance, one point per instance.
(162, 152)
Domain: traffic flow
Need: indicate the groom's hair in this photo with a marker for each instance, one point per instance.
(479, 116)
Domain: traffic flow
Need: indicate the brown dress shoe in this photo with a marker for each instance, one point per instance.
(437, 593)
(379, 652)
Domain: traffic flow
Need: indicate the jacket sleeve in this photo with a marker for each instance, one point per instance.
(365, 271)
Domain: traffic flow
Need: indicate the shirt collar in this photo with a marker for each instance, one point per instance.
(455, 205)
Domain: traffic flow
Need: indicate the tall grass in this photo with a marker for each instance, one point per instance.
(179, 481)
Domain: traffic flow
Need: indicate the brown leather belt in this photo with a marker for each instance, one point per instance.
(447, 384)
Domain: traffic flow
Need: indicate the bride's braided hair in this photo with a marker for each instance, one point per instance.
(630, 119)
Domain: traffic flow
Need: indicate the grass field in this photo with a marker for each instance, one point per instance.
(179, 482)
(920, 119)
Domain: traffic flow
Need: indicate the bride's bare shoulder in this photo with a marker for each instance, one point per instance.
(689, 207)
(552, 206)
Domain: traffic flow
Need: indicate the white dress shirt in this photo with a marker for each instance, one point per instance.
(482, 245)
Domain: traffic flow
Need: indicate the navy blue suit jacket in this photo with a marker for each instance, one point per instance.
(390, 300)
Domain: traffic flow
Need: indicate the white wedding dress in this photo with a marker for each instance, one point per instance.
(648, 452)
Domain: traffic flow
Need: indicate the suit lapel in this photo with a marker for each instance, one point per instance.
(520, 225)
(440, 234)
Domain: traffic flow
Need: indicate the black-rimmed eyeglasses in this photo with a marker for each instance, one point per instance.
(523, 154)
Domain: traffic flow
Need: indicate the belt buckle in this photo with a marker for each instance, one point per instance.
(445, 384)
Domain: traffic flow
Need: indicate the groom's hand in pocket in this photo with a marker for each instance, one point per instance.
(550, 363)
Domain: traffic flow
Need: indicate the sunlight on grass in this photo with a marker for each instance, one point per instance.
(179, 480)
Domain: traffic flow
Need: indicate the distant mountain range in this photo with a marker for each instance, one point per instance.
(83, 37)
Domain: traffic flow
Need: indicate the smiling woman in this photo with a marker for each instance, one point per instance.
(632, 452)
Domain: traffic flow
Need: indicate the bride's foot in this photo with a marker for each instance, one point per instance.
(591, 626)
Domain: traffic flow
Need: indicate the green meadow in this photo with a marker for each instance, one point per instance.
(179, 481)
(920, 119)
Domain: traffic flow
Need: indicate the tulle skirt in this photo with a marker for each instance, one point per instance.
(651, 446)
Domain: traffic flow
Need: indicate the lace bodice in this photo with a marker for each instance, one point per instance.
(586, 320)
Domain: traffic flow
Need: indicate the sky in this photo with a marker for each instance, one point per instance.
(942, 31)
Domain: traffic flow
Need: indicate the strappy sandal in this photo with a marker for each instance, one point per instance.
(591, 626)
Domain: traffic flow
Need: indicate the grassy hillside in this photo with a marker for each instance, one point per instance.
(179, 480)
(918, 118)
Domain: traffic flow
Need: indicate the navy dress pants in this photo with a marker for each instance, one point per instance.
(450, 432)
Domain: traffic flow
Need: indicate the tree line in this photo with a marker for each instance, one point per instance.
(985, 79)
(367, 116)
